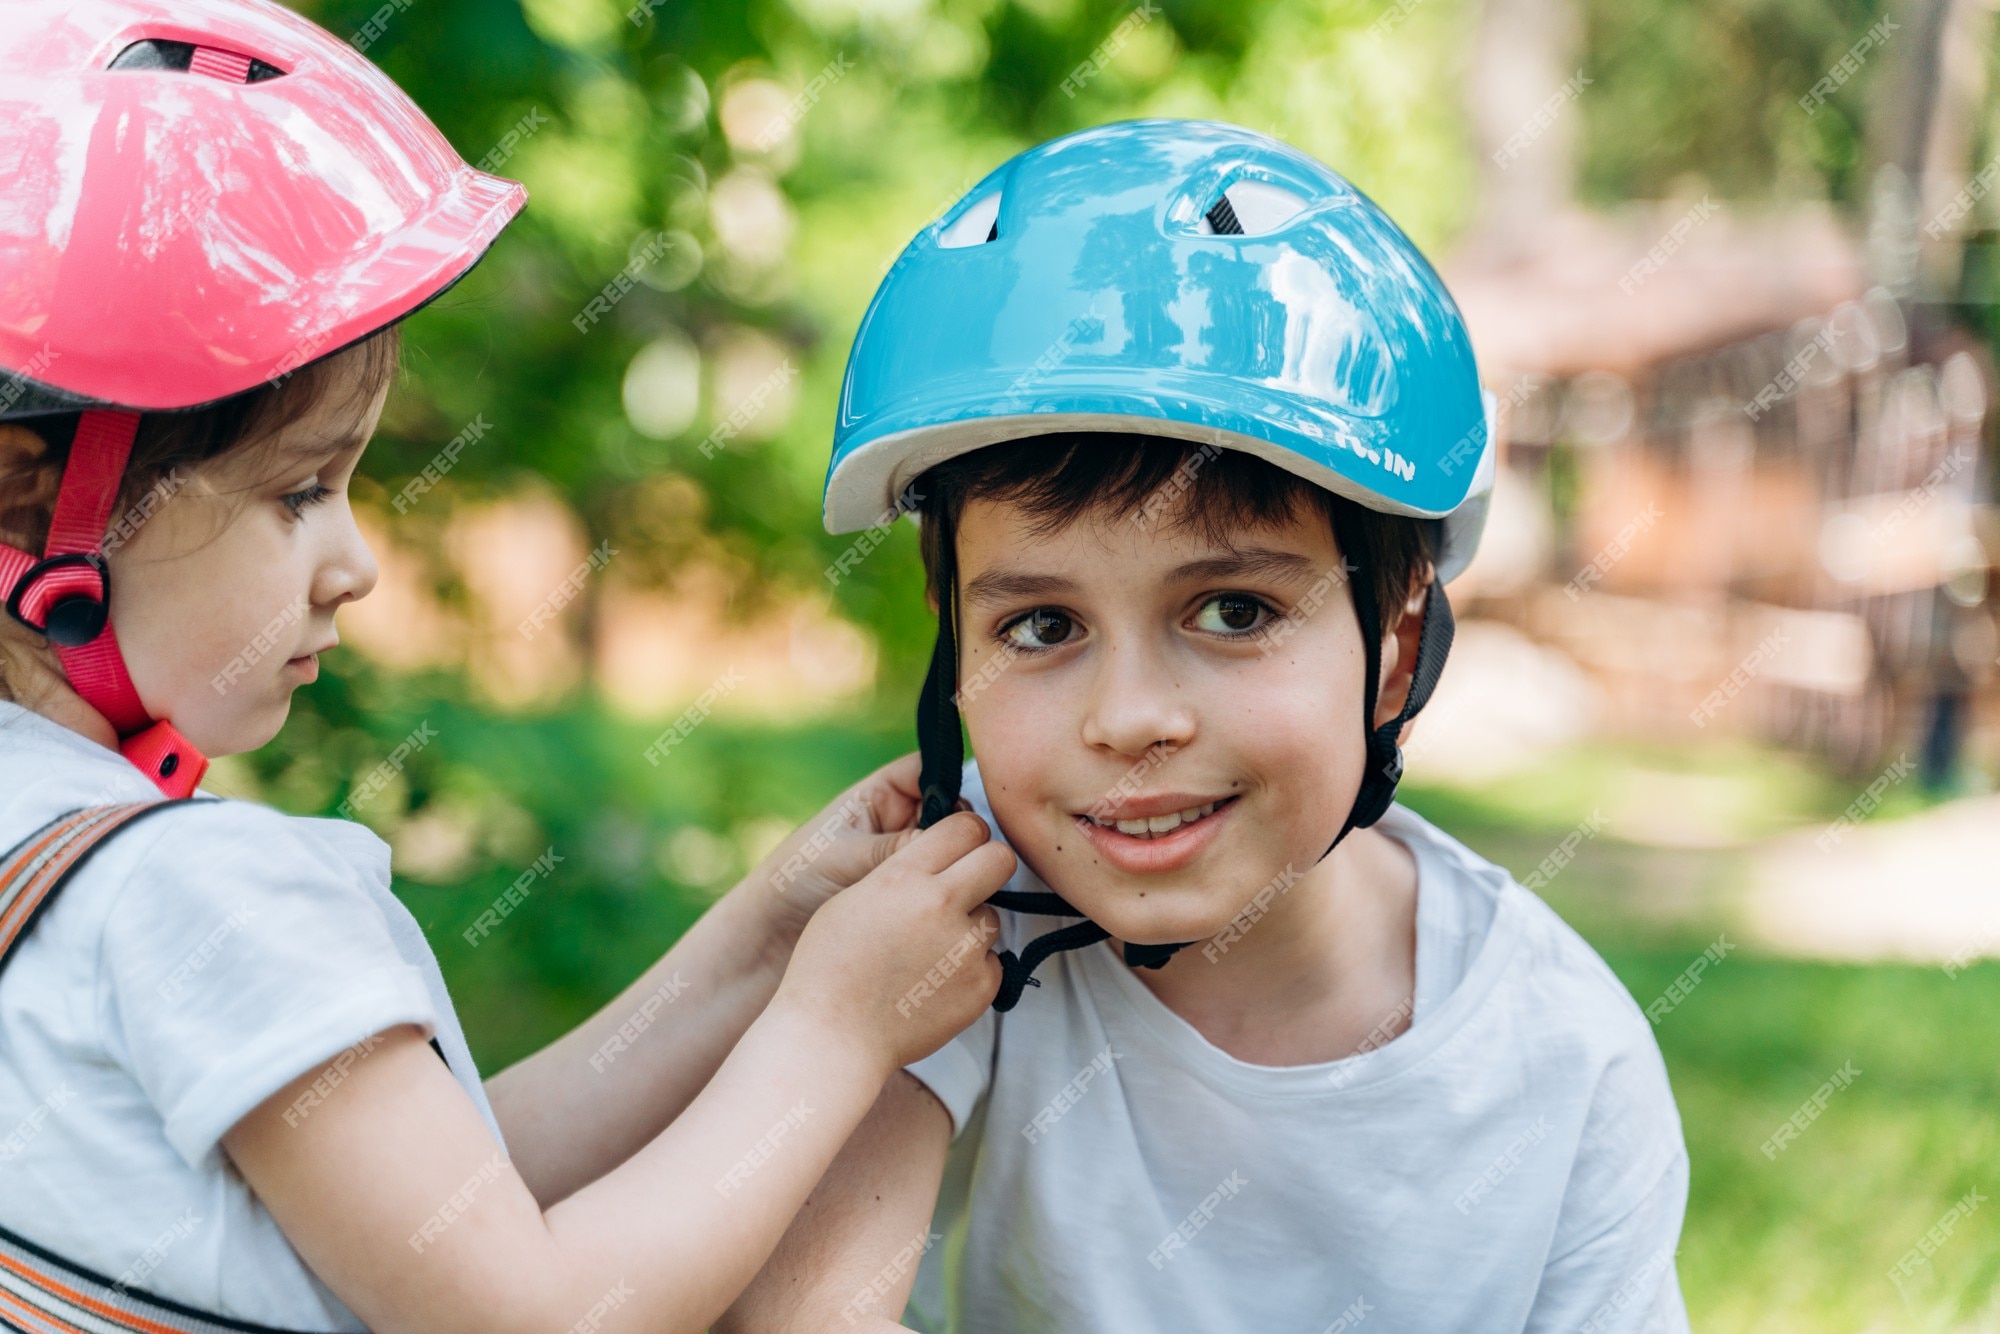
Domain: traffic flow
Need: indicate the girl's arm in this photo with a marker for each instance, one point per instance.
(849, 1259)
(590, 1100)
(395, 1193)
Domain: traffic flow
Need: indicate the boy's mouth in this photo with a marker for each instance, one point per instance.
(1156, 826)
(1145, 843)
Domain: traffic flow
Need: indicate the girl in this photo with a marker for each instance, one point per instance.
(222, 1103)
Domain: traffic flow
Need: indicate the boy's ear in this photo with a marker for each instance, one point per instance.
(1399, 656)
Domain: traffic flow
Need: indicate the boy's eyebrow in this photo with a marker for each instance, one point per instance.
(1247, 562)
(1005, 586)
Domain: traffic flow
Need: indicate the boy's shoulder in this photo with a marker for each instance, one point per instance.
(1464, 886)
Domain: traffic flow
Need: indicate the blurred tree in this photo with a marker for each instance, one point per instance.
(1695, 96)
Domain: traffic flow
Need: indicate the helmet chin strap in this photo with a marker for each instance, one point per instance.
(66, 597)
(942, 746)
(1384, 762)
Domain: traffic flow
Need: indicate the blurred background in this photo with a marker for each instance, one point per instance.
(1728, 680)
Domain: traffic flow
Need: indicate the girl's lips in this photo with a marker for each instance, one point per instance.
(1162, 852)
(308, 665)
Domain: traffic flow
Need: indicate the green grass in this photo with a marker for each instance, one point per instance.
(1741, 790)
(1807, 1241)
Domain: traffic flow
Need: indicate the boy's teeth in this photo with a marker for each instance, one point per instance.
(1162, 824)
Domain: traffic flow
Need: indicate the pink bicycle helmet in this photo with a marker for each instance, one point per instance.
(202, 196)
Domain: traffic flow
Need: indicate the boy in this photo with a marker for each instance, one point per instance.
(1173, 559)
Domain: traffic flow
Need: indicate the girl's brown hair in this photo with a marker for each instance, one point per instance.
(31, 470)
(34, 450)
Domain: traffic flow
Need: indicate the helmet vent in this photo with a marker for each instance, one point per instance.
(976, 226)
(1250, 208)
(187, 58)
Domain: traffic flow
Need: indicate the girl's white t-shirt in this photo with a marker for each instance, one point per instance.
(197, 963)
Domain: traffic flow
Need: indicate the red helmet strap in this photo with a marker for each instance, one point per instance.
(71, 586)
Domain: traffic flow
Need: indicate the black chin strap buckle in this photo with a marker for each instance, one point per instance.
(1151, 956)
(937, 804)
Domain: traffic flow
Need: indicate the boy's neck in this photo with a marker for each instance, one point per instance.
(1327, 969)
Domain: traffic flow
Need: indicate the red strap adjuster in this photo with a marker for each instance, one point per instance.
(70, 593)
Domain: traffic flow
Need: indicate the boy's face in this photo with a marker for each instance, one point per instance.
(1120, 670)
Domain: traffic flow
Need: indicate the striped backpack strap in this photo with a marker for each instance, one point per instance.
(37, 869)
(40, 1292)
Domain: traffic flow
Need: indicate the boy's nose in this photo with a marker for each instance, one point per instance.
(1135, 705)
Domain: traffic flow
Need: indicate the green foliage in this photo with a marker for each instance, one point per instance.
(1694, 95)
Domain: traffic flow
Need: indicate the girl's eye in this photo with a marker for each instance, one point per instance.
(305, 497)
(1044, 627)
(1232, 614)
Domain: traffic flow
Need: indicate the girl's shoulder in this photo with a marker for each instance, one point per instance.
(205, 846)
(215, 951)
(170, 893)
(195, 964)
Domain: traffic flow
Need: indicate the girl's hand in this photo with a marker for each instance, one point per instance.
(577, 1109)
(903, 961)
(858, 830)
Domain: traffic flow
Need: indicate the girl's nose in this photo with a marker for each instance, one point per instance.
(349, 570)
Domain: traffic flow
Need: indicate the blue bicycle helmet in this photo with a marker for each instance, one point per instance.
(1182, 279)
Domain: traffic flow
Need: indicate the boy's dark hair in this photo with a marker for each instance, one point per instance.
(1212, 493)
(166, 441)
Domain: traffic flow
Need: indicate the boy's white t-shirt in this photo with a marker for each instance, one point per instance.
(197, 963)
(1512, 1161)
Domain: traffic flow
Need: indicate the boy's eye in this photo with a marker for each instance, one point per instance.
(305, 497)
(1232, 614)
(1044, 627)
